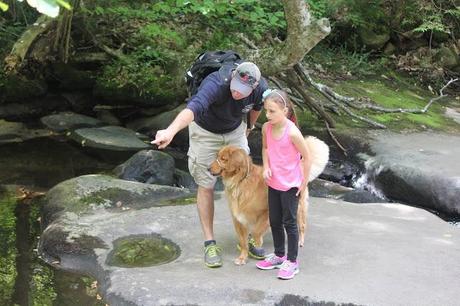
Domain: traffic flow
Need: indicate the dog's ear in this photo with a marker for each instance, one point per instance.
(225, 155)
(241, 161)
(239, 157)
(229, 160)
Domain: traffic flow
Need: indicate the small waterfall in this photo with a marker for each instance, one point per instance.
(366, 181)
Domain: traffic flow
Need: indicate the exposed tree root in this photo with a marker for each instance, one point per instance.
(15, 60)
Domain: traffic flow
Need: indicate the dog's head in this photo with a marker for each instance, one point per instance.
(231, 162)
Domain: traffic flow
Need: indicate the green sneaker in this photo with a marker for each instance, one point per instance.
(254, 251)
(212, 257)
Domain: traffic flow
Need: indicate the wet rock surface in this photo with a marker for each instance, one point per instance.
(14, 132)
(421, 169)
(112, 138)
(148, 166)
(358, 254)
(69, 121)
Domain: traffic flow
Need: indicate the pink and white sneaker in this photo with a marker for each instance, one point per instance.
(288, 269)
(271, 262)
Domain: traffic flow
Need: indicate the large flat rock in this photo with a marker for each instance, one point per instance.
(422, 169)
(373, 254)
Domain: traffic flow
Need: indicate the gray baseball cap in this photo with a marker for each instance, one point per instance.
(246, 78)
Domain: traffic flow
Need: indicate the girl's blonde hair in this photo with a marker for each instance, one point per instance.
(281, 97)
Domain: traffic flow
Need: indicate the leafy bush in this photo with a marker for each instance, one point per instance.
(155, 35)
(341, 61)
(348, 16)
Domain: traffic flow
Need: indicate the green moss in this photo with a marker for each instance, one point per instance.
(7, 246)
(394, 95)
(142, 252)
(106, 198)
(178, 201)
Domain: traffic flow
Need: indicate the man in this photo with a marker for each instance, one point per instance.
(214, 116)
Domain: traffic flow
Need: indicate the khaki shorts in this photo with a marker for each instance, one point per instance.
(203, 149)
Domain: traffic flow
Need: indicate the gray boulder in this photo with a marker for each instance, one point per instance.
(148, 166)
(420, 169)
(18, 132)
(447, 58)
(108, 117)
(184, 179)
(112, 138)
(69, 121)
(32, 108)
(372, 40)
(94, 196)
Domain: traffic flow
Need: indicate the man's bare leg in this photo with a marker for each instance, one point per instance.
(205, 204)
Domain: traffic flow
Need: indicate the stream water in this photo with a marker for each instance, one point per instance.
(25, 280)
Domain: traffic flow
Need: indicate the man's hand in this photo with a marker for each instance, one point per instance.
(162, 138)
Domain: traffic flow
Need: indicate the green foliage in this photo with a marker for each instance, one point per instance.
(7, 246)
(380, 16)
(157, 34)
(144, 78)
(341, 61)
(355, 13)
(319, 8)
(42, 287)
(441, 16)
(163, 36)
(13, 23)
(42, 290)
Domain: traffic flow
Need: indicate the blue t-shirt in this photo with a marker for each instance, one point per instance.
(214, 108)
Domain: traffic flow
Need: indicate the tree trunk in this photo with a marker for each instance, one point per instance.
(303, 33)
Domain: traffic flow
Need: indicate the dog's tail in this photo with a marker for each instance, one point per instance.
(319, 155)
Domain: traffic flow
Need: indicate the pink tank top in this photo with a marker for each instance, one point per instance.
(284, 160)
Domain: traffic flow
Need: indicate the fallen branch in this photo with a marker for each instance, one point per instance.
(344, 151)
(115, 53)
(383, 109)
(324, 89)
(289, 79)
(334, 97)
(442, 95)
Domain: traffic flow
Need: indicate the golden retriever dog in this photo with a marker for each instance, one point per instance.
(247, 192)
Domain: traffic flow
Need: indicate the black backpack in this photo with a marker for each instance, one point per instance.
(208, 62)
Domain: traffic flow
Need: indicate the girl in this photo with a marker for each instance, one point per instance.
(286, 174)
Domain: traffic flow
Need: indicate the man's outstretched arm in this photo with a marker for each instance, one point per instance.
(182, 120)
